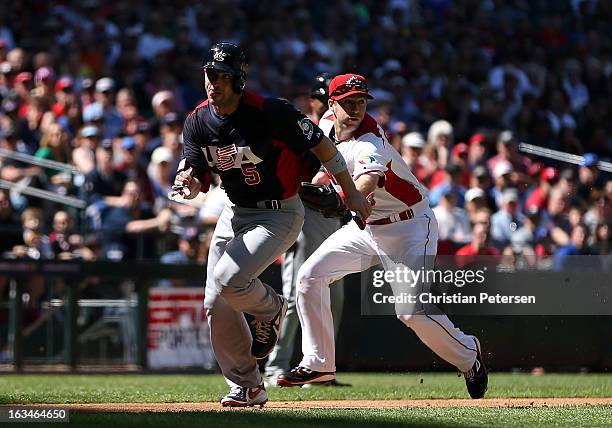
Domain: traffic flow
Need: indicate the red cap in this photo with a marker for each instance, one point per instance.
(348, 84)
(459, 149)
(63, 83)
(24, 76)
(535, 168)
(549, 174)
(477, 138)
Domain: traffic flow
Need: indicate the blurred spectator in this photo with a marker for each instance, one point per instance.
(507, 220)
(526, 238)
(411, 149)
(475, 198)
(600, 209)
(65, 244)
(603, 238)
(568, 186)
(575, 215)
(35, 246)
(54, 146)
(554, 222)
(35, 243)
(188, 248)
(124, 226)
(507, 151)
(83, 155)
(502, 176)
(589, 176)
(104, 109)
(477, 153)
(453, 223)
(161, 174)
(453, 175)
(539, 196)
(479, 246)
(440, 138)
(104, 183)
(44, 84)
(9, 223)
(577, 246)
(163, 103)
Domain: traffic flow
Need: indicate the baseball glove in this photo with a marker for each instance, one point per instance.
(324, 199)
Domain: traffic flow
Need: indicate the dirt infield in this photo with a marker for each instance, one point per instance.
(329, 404)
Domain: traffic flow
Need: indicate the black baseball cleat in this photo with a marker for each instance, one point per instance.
(477, 379)
(265, 333)
(302, 376)
(242, 396)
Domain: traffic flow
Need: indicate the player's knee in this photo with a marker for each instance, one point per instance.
(306, 278)
(225, 278)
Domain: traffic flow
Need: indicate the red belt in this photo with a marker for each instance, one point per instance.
(404, 215)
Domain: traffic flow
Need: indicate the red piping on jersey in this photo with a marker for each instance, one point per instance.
(400, 188)
(288, 169)
(253, 99)
(202, 104)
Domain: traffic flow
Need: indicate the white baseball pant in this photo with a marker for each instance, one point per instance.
(352, 250)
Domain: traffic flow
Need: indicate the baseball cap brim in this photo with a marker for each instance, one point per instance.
(349, 93)
(213, 65)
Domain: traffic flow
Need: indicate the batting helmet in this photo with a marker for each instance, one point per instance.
(229, 58)
(319, 89)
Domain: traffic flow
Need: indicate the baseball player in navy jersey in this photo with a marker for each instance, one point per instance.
(256, 145)
(316, 229)
(402, 229)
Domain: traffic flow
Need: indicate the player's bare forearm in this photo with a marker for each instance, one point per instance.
(325, 150)
(366, 183)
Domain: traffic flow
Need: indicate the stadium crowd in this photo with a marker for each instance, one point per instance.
(105, 87)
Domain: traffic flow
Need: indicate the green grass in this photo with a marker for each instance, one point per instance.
(126, 388)
(34, 388)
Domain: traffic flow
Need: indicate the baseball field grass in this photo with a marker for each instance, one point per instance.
(299, 407)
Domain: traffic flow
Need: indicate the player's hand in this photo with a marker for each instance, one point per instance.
(321, 177)
(355, 201)
(186, 184)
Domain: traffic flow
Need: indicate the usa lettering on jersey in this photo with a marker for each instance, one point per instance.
(228, 157)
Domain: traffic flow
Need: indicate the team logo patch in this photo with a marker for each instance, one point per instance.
(307, 127)
(219, 55)
(366, 159)
(353, 80)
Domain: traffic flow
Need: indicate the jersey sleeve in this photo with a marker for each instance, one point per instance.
(368, 159)
(291, 126)
(192, 152)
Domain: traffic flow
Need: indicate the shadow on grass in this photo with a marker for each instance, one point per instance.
(268, 419)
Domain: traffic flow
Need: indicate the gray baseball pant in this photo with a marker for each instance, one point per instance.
(245, 242)
(316, 229)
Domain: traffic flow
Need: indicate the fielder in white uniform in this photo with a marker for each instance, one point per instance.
(402, 227)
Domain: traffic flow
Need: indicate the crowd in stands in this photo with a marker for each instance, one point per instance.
(457, 85)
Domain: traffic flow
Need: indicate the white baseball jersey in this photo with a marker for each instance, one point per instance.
(369, 151)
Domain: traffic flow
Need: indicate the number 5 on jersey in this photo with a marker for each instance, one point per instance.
(251, 176)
